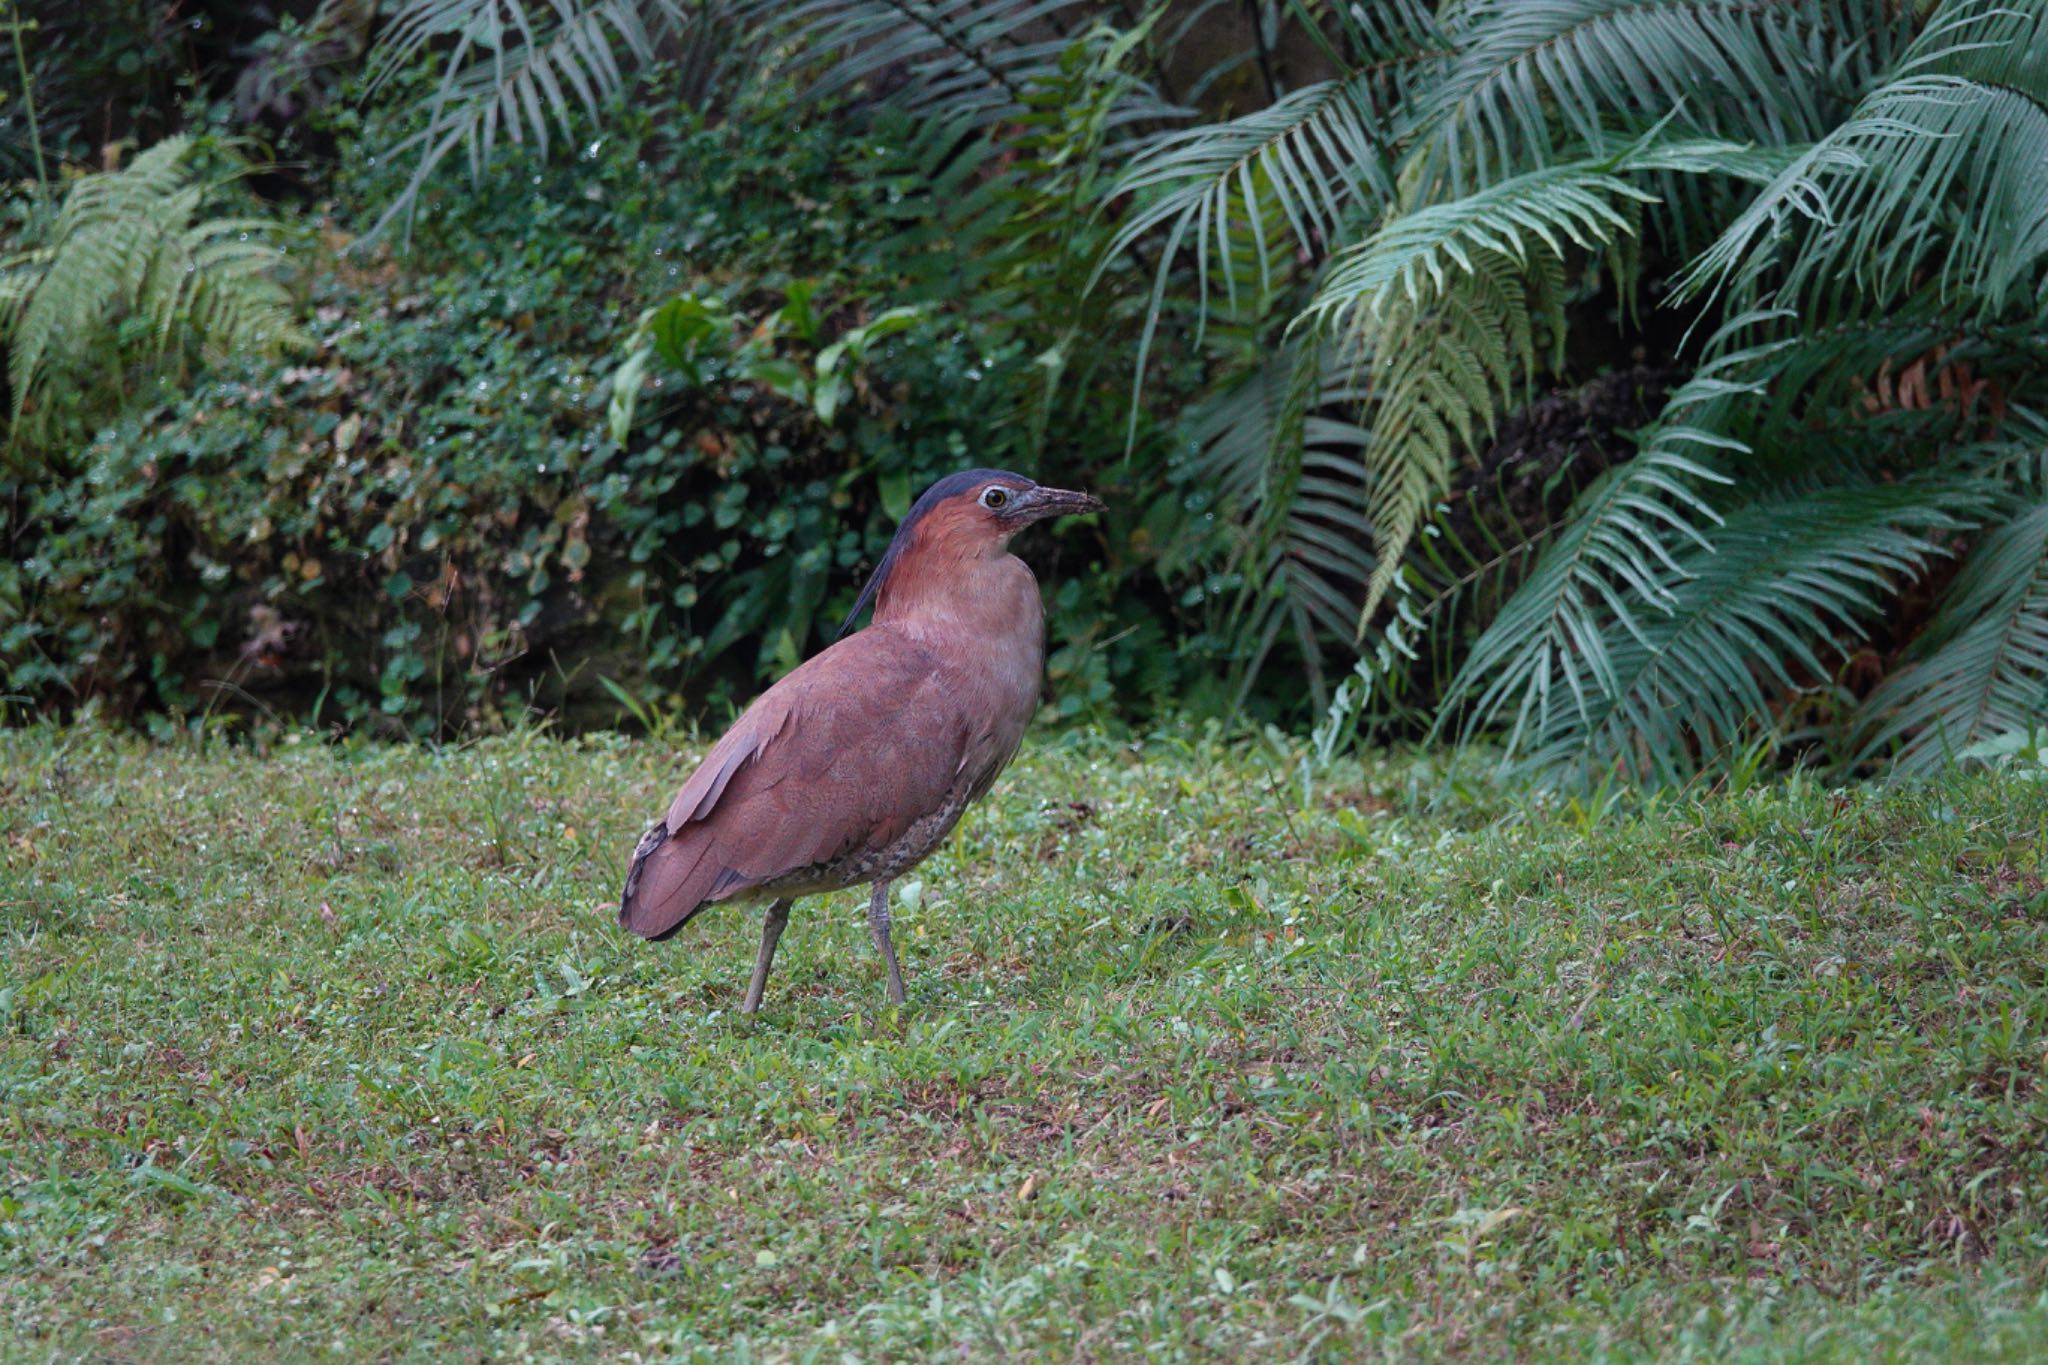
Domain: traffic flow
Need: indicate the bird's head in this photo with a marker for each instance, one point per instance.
(969, 515)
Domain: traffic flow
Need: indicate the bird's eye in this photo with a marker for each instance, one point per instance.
(993, 498)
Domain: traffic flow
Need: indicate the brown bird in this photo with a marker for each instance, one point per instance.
(857, 764)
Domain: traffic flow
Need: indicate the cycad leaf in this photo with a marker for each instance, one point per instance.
(1980, 669)
(1442, 300)
(1611, 565)
(504, 68)
(966, 61)
(1313, 154)
(1578, 204)
(1297, 167)
(1289, 478)
(1789, 574)
(1536, 75)
(1940, 172)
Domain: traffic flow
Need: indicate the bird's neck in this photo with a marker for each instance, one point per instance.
(967, 597)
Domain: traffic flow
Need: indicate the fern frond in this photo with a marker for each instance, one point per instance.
(134, 243)
(1443, 347)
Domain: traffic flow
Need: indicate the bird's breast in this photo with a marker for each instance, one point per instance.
(987, 634)
(1011, 659)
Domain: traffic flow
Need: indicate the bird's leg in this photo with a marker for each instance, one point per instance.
(878, 929)
(778, 915)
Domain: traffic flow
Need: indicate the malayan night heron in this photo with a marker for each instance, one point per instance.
(857, 764)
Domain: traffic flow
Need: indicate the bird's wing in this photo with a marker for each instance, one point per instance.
(837, 758)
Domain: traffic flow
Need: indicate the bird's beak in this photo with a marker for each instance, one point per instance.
(1042, 504)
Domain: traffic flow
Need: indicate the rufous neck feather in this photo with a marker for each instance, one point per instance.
(946, 569)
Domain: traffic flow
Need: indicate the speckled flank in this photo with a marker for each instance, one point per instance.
(909, 849)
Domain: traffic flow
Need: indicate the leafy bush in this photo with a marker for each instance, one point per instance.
(446, 509)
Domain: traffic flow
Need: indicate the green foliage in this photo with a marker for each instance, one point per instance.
(1979, 671)
(695, 336)
(1534, 78)
(1294, 480)
(1623, 531)
(379, 527)
(1447, 300)
(1301, 164)
(1946, 142)
(1533, 156)
(471, 498)
(970, 60)
(1295, 306)
(1741, 624)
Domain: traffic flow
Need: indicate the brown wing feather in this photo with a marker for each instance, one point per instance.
(835, 759)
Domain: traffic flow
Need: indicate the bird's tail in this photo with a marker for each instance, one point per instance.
(671, 879)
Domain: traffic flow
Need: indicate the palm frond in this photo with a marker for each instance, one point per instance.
(1938, 173)
(946, 197)
(965, 61)
(1313, 154)
(1487, 534)
(1830, 374)
(1439, 370)
(1580, 203)
(135, 242)
(507, 68)
(1789, 573)
(1610, 567)
(1534, 76)
(1980, 668)
(1288, 476)
(1229, 190)
(968, 58)
(1648, 644)
(1443, 298)
(1868, 396)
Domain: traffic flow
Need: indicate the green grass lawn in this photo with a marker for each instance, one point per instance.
(339, 1052)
